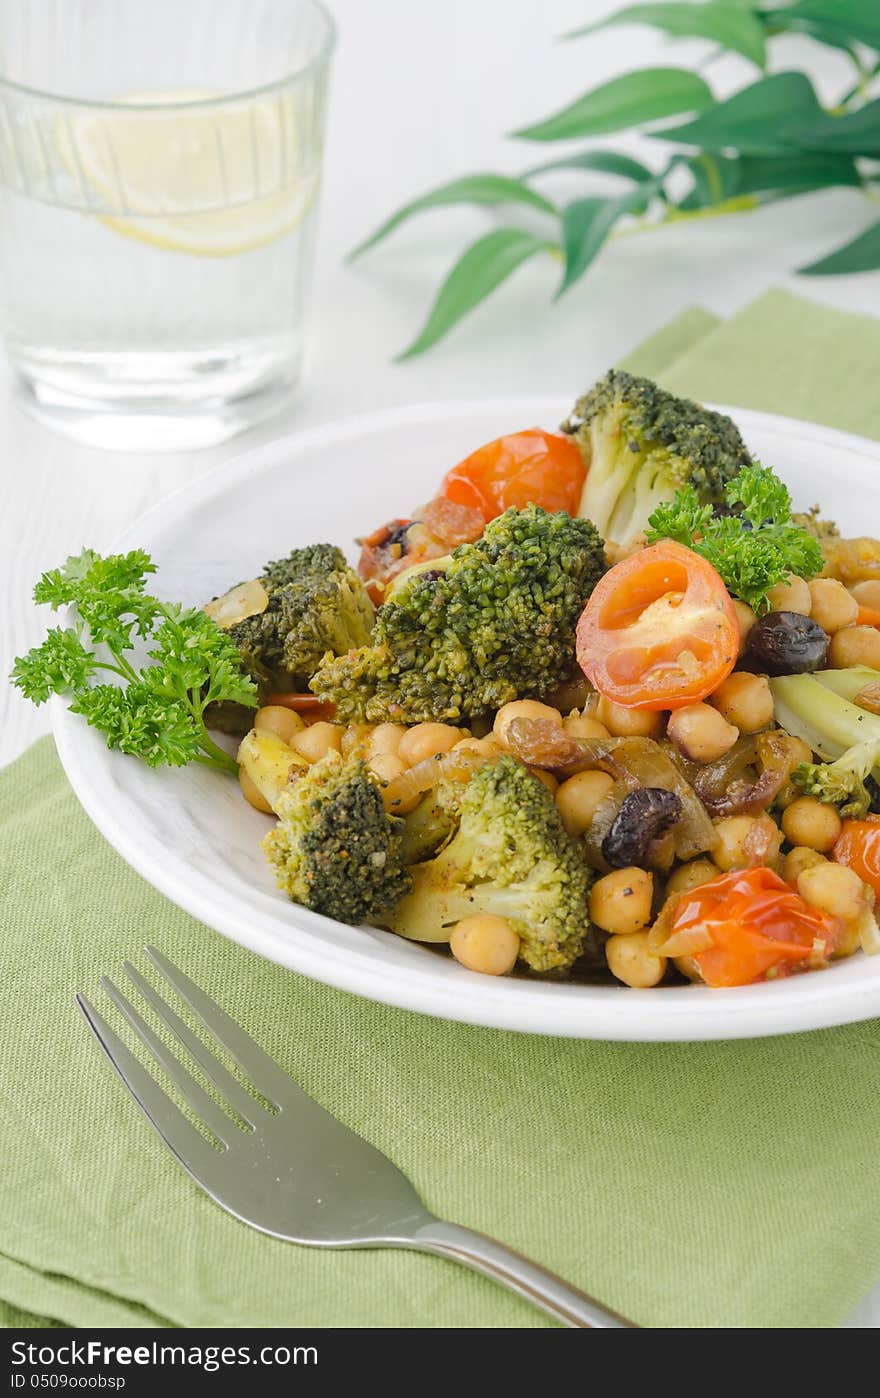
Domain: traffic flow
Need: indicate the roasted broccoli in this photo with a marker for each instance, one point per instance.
(335, 849)
(498, 623)
(641, 445)
(841, 783)
(510, 857)
(286, 621)
(821, 529)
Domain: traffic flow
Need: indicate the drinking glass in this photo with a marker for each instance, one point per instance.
(159, 171)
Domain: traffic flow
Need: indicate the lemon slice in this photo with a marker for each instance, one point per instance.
(211, 182)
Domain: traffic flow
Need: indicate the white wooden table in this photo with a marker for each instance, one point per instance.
(420, 93)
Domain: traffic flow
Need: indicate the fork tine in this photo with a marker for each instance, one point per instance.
(222, 1126)
(265, 1074)
(240, 1101)
(191, 1149)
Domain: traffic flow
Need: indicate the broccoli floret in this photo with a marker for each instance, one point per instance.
(811, 522)
(498, 623)
(335, 849)
(315, 561)
(510, 857)
(316, 603)
(641, 445)
(841, 783)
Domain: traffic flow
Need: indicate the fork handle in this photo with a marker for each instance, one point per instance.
(565, 1303)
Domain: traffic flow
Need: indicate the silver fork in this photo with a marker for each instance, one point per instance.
(296, 1172)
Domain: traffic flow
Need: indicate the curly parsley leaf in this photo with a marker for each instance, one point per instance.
(59, 665)
(752, 549)
(157, 712)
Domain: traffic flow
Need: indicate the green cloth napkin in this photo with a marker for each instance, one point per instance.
(730, 1184)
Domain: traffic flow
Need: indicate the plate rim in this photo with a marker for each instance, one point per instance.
(489, 1002)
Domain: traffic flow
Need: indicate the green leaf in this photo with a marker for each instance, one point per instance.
(837, 22)
(470, 189)
(607, 162)
(731, 26)
(716, 178)
(856, 133)
(484, 266)
(647, 94)
(755, 120)
(721, 177)
(861, 255)
(586, 224)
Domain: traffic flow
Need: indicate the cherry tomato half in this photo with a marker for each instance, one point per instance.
(759, 928)
(659, 631)
(858, 847)
(531, 467)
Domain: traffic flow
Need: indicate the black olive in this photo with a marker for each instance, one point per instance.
(643, 815)
(786, 643)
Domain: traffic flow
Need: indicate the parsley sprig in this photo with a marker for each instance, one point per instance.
(155, 712)
(752, 549)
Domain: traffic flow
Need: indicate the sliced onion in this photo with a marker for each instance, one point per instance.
(689, 942)
(748, 777)
(634, 762)
(869, 933)
(457, 765)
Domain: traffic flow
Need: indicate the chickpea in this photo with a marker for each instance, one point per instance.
(354, 739)
(584, 726)
(740, 837)
(745, 619)
(523, 708)
(488, 746)
(487, 944)
(745, 701)
(252, 793)
(867, 593)
(791, 596)
(578, 799)
(631, 961)
(275, 718)
(386, 766)
(799, 859)
(620, 902)
(385, 739)
(855, 645)
(315, 742)
(545, 778)
(427, 740)
(833, 889)
(688, 876)
(629, 723)
(701, 732)
(833, 607)
(813, 823)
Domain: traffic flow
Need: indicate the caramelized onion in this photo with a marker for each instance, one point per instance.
(747, 778)
(633, 762)
(456, 765)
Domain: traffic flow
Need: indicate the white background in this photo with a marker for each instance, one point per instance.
(424, 90)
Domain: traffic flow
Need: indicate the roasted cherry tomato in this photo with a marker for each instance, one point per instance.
(659, 631)
(530, 467)
(754, 926)
(858, 847)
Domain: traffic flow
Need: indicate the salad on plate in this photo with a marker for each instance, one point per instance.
(604, 707)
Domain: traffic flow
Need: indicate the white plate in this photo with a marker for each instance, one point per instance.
(190, 834)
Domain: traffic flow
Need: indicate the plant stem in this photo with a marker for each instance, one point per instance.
(214, 754)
